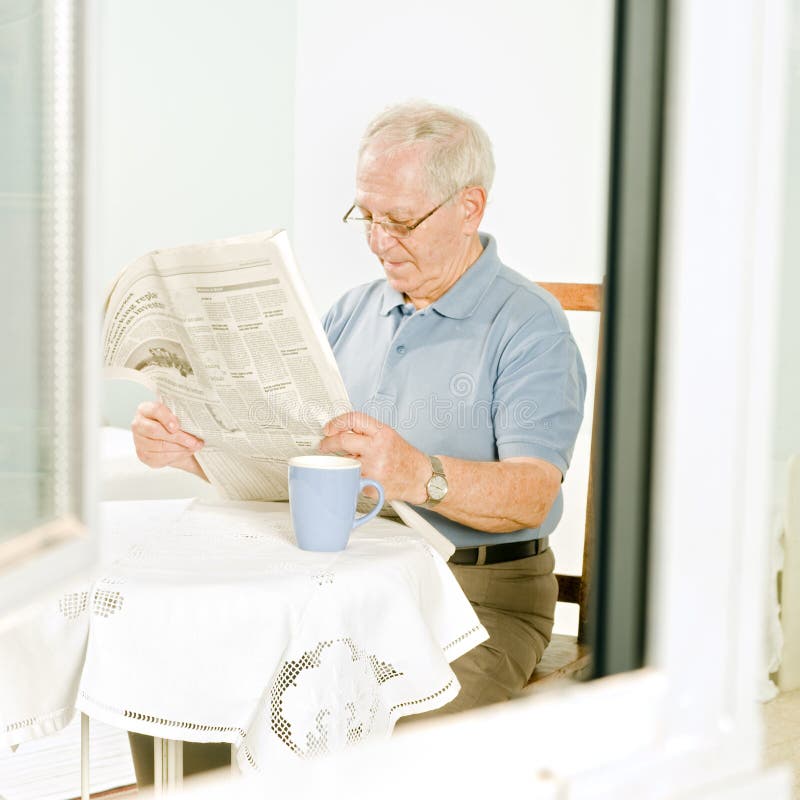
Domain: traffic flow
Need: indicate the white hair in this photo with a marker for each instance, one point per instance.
(458, 152)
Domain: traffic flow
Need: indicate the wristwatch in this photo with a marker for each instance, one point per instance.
(436, 487)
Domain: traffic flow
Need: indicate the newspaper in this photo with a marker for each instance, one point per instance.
(226, 335)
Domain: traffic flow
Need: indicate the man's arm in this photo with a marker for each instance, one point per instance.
(496, 497)
(500, 496)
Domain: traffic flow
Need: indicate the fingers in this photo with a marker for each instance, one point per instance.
(352, 421)
(160, 453)
(346, 442)
(158, 439)
(149, 445)
(159, 412)
(152, 429)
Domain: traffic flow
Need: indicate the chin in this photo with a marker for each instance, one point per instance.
(398, 284)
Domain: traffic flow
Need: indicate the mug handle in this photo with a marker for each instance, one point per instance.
(372, 514)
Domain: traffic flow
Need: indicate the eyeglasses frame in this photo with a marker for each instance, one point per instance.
(409, 228)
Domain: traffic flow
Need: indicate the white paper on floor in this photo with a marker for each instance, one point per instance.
(50, 768)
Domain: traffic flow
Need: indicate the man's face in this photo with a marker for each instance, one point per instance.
(391, 187)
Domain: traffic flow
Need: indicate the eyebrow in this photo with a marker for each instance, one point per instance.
(397, 214)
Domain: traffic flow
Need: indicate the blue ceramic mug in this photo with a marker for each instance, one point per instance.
(323, 492)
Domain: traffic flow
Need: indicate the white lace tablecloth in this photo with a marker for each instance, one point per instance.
(207, 623)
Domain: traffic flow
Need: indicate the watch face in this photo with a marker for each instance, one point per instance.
(437, 487)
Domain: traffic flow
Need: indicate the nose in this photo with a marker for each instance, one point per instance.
(378, 239)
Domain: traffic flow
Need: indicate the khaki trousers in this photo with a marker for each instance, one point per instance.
(515, 602)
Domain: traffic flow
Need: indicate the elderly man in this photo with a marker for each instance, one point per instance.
(469, 383)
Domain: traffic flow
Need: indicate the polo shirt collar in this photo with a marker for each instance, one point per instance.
(391, 299)
(461, 300)
(463, 297)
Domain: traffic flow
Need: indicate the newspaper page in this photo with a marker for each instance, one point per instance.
(226, 335)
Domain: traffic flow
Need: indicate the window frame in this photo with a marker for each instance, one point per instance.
(57, 549)
(689, 720)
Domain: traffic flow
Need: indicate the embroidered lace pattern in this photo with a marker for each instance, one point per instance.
(73, 604)
(105, 603)
(420, 700)
(459, 639)
(360, 716)
(26, 723)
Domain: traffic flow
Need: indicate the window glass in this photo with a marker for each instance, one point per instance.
(41, 372)
(26, 418)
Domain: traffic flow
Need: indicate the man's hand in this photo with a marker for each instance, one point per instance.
(160, 442)
(385, 456)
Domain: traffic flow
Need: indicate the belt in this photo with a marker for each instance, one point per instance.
(495, 553)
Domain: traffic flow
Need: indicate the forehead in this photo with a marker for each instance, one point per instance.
(391, 182)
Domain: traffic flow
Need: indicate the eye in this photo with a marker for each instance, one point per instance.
(389, 219)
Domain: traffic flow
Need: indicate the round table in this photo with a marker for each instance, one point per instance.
(207, 623)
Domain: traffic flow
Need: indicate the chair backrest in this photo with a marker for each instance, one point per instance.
(575, 588)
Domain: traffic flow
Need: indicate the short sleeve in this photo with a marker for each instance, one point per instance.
(539, 397)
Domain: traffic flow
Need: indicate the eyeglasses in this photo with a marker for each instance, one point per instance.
(397, 230)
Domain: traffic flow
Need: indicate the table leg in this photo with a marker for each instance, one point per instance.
(84, 757)
(234, 763)
(158, 766)
(174, 764)
(168, 765)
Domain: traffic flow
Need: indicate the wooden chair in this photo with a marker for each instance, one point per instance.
(570, 656)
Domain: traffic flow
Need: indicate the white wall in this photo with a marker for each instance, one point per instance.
(536, 75)
(194, 135)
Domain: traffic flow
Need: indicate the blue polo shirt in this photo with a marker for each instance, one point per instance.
(489, 371)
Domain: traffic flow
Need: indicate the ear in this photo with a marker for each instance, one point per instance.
(473, 201)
